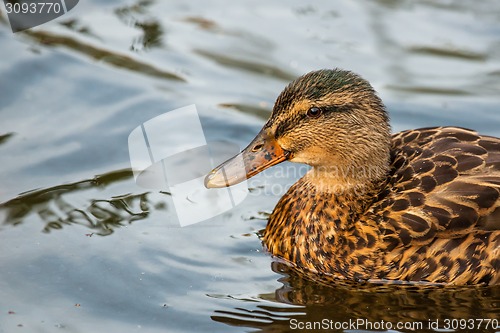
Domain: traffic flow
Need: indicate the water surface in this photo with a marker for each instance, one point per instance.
(86, 249)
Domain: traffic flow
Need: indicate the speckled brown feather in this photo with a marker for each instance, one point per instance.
(435, 217)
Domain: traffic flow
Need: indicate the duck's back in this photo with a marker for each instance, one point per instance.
(440, 211)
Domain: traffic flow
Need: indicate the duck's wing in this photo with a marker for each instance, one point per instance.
(445, 183)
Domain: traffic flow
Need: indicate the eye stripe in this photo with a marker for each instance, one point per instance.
(285, 124)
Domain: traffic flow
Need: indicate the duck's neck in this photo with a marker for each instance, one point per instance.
(352, 182)
(313, 215)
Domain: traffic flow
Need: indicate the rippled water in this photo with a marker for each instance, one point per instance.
(85, 249)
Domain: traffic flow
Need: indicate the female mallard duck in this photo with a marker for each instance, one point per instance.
(420, 205)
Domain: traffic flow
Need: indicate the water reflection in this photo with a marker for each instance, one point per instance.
(203, 23)
(51, 39)
(5, 137)
(247, 65)
(450, 52)
(261, 111)
(136, 16)
(75, 25)
(102, 216)
(311, 301)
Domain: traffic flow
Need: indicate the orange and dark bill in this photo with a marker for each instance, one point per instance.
(263, 152)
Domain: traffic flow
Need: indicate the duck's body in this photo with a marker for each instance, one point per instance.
(421, 205)
(435, 217)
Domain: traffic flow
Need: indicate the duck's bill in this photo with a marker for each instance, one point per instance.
(262, 153)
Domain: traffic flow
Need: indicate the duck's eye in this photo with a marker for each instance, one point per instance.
(314, 112)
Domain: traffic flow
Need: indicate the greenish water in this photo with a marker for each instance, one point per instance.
(83, 248)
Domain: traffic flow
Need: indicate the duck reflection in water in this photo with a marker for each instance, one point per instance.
(301, 300)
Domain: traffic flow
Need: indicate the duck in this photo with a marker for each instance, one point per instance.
(418, 206)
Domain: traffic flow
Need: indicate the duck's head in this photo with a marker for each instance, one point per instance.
(330, 119)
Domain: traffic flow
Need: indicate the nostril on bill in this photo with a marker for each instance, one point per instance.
(257, 147)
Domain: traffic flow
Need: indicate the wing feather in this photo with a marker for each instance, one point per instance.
(444, 183)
